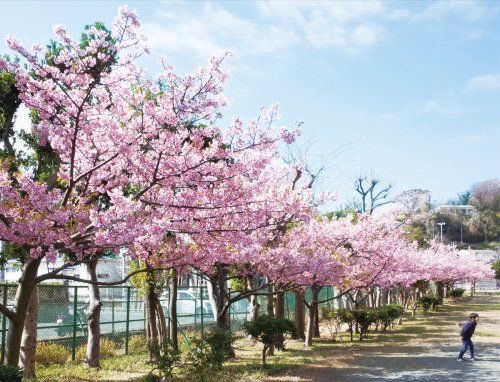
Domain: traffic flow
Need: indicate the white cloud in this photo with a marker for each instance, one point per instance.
(484, 82)
(466, 10)
(438, 107)
(348, 26)
(213, 31)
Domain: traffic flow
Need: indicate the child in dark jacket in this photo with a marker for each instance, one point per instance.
(466, 334)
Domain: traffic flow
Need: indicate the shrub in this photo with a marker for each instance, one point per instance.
(270, 331)
(429, 301)
(332, 321)
(347, 317)
(137, 344)
(208, 353)
(364, 318)
(10, 374)
(387, 314)
(81, 353)
(48, 353)
(457, 293)
(108, 348)
(164, 365)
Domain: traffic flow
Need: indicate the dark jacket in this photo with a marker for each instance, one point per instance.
(468, 329)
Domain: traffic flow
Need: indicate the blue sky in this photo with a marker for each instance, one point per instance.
(408, 90)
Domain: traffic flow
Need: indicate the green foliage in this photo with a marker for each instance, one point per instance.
(362, 317)
(429, 301)
(9, 102)
(208, 354)
(332, 320)
(457, 293)
(496, 268)
(205, 356)
(388, 314)
(137, 344)
(10, 374)
(165, 363)
(417, 233)
(48, 353)
(270, 331)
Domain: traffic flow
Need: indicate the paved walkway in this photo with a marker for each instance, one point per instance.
(416, 353)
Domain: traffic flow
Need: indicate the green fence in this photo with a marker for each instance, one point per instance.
(62, 312)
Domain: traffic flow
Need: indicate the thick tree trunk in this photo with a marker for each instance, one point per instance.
(93, 319)
(317, 333)
(312, 313)
(384, 298)
(28, 341)
(21, 303)
(173, 310)
(253, 313)
(218, 294)
(279, 308)
(299, 315)
(254, 308)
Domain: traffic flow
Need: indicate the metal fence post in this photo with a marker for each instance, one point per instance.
(127, 322)
(75, 313)
(4, 322)
(113, 312)
(202, 311)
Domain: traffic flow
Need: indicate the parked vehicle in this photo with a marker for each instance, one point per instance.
(188, 302)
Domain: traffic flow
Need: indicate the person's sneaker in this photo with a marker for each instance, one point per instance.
(474, 359)
(460, 359)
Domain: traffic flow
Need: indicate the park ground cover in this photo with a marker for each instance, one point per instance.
(422, 349)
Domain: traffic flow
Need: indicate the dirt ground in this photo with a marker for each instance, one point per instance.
(423, 350)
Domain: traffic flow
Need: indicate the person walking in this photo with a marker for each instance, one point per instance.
(466, 334)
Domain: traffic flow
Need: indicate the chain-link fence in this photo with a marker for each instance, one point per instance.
(62, 313)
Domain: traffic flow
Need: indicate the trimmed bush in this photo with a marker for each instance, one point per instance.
(137, 344)
(455, 294)
(48, 353)
(270, 331)
(10, 374)
(429, 301)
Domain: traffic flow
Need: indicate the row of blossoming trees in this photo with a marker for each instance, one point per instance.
(117, 160)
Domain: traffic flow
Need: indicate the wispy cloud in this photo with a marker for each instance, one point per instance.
(349, 26)
(484, 82)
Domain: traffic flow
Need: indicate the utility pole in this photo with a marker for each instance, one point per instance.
(441, 224)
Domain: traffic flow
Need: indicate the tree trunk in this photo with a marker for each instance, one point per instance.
(264, 351)
(153, 342)
(173, 310)
(312, 313)
(279, 308)
(93, 319)
(270, 312)
(254, 308)
(299, 315)
(21, 303)
(28, 341)
(218, 293)
(317, 333)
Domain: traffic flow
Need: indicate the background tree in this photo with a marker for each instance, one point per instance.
(372, 192)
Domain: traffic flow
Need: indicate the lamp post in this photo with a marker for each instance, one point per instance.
(441, 224)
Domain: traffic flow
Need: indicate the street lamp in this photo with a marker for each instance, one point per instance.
(441, 224)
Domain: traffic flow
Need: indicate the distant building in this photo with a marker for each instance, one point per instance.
(447, 208)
